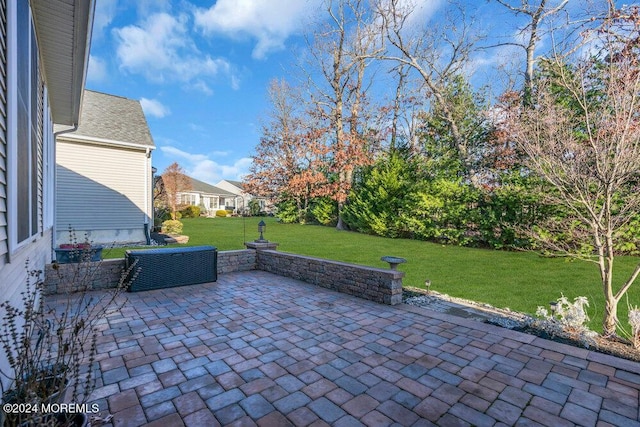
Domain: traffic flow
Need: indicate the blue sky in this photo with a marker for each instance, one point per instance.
(201, 69)
(200, 72)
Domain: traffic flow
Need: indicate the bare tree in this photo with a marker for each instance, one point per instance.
(174, 181)
(406, 107)
(537, 13)
(341, 52)
(288, 162)
(438, 54)
(581, 134)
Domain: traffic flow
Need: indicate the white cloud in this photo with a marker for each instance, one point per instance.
(196, 127)
(271, 23)
(97, 70)
(202, 87)
(235, 83)
(203, 168)
(154, 108)
(148, 7)
(161, 49)
(104, 14)
(423, 10)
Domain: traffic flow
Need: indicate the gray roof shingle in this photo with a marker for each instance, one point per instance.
(203, 187)
(236, 183)
(113, 118)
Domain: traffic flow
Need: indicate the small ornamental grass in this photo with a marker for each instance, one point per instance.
(566, 318)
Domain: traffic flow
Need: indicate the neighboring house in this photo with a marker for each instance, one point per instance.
(44, 51)
(242, 198)
(104, 178)
(208, 197)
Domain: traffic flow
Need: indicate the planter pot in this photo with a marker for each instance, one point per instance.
(73, 420)
(50, 388)
(66, 255)
(61, 419)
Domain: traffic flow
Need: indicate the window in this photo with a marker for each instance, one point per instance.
(27, 125)
(207, 203)
(188, 199)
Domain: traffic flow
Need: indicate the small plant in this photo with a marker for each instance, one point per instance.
(172, 226)
(254, 207)
(51, 349)
(222, 213)
(191, 212)
(78, 251)
(566, 318)
(571, 316)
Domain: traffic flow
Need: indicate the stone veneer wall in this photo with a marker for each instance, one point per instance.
(379, 285)
(65, 278)
(375, 284)
(240, 260)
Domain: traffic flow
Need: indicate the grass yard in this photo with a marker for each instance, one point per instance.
(517, 280)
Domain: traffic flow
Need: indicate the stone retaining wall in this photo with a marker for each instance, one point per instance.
(240, 260)
(375, 284)
(65, 278)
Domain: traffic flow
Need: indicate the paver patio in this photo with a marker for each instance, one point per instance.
(259, 349)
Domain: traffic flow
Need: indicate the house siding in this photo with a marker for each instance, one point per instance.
(39, 157)
(121, 207)
(4, 235)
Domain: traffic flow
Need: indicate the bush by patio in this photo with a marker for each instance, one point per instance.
(172, 226)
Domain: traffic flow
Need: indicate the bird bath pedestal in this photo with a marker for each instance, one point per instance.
(393, 261)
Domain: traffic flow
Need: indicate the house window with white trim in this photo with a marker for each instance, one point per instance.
(27, 122)
(188, 199)
(211, 202)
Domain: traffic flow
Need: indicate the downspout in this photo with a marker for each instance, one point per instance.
(147, 196)
(54, 229)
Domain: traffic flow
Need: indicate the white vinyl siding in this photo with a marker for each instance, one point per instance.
(99, 187)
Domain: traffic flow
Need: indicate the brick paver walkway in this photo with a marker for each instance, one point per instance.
(260, 349)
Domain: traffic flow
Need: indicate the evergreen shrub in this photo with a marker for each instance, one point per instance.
(172, 226)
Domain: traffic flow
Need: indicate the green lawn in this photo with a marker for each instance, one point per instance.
(518, 280)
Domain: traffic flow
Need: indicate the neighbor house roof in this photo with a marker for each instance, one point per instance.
(236, 183)
(113, 120)
(204, 188)
(64, 35)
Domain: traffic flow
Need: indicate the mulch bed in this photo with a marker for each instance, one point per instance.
(616, 346)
